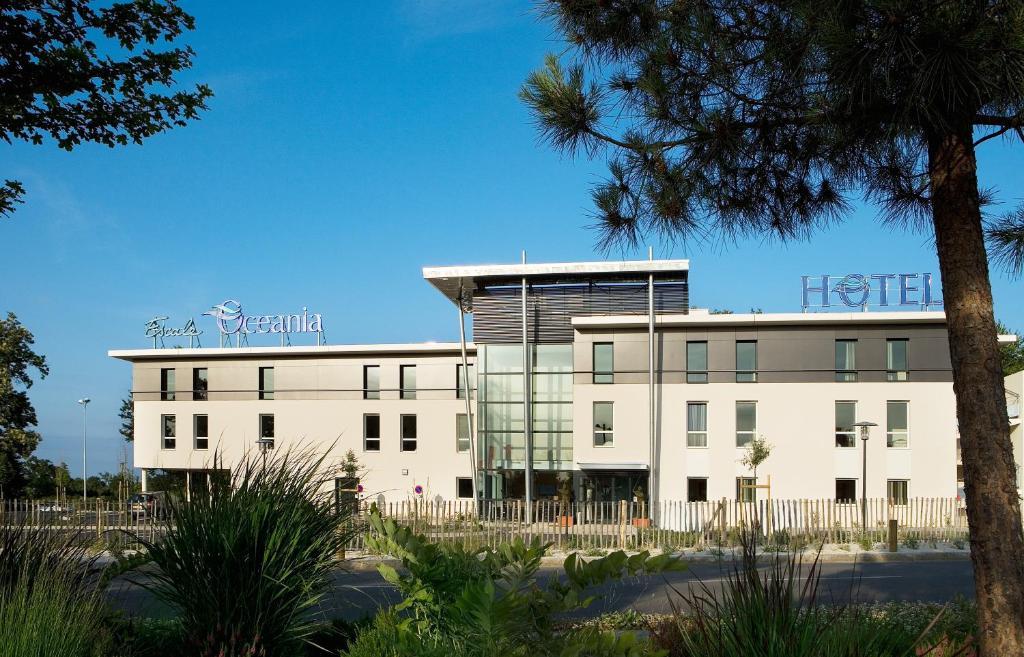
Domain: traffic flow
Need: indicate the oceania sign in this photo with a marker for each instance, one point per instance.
(863, 290)
(231, 320)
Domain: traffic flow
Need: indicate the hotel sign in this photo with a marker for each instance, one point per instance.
(864, 290)
(231, 321)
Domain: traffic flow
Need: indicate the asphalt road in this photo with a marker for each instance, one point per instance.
(357, 594)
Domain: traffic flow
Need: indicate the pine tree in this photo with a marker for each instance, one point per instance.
(766, 118)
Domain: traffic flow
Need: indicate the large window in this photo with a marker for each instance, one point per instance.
(846, 491)
(460, 380)
(897, 424)
(167, 384)
(696, 489)
(696, 362)
(201, 430)
(200, 384)
(371, 382)
(266, 383)
(267, 430)
(408, 433)
(371, 432)
(846, 417)
(604, 362)
(462, 433)
(464, 488)
(603, 424)
(898, 491)
(846, 360)
(697, 424)
(168, 431)
(744, 489)
(407, 381)
(746, 422)
(746, 361)
(896, 361)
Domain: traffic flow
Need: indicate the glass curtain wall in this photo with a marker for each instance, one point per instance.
(502, 438)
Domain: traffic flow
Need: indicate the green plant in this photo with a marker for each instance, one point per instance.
(775, 612)
(865, 543)
(911, 542)
(244, 565)
(488, 602)
(959, 544)
(49, 602)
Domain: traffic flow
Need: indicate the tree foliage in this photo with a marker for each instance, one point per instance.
(84, 71)
(127, 416)
(767, 117)
(1012, 354)
(18, 438)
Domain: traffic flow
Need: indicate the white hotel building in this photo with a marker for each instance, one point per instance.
(624, 386)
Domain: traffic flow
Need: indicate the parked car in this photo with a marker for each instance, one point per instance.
(152, 504)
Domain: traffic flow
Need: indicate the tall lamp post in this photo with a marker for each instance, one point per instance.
(865, 429)
(84, 401)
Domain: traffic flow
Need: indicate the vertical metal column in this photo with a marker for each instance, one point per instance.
(652, 486)
(469, 394)
(527, 420)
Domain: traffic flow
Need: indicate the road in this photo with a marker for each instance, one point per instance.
(357, 594)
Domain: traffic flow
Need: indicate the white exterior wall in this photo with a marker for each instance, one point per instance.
(796, 418)
(321, 425)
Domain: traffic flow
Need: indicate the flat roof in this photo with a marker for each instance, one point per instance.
(270, 352)
(460, 281)
(763, 319)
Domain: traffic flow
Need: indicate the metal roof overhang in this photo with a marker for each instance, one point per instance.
(613, 466)
(461, 281)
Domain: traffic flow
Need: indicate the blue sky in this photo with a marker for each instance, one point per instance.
(348, 145)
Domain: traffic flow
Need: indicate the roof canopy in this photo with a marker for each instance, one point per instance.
(461, 281)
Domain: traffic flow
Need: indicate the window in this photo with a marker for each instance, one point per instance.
(846, 361)
(460, 381)
(371, 432)
(168, 431)
(267, 430)
(743, 492)
(898, 491)
(408, 433)
(461, 433)
(371, 381)
(896, 360)
(697, 424)
(604, 362)
(746, 361)
(266, 383)
(846, 491)
(897, 425)
(603, 426)
(746, 422)
(201, 426)
(407, 381)
(846, 416)
(200, 384)
(167, 384)
(696, 489)
(696, 362)
(464, 488)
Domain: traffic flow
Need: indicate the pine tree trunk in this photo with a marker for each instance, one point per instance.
(993, 507)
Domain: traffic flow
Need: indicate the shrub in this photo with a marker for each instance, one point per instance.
(911, 542)
(49, 602)
(488, 602)
(774, 612)
(245, 564)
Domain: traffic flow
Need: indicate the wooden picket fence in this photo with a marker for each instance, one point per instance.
(671, 525)
(675, 525)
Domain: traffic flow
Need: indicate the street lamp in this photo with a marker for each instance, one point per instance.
(865, 428)
(264, 445)
(84, 401)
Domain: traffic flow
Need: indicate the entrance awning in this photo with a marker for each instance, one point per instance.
(612, 466)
